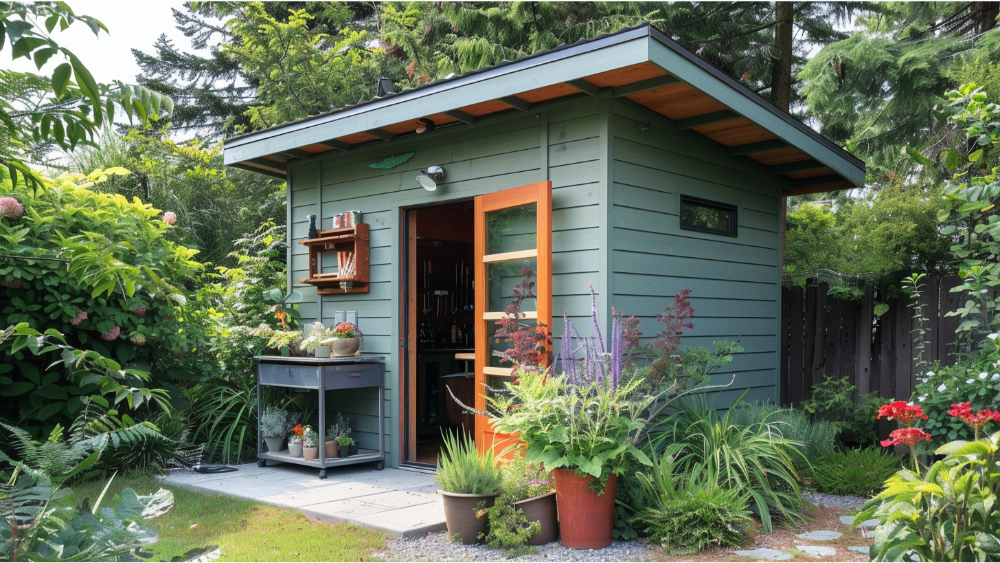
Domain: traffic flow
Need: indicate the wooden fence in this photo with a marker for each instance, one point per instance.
(827, 336)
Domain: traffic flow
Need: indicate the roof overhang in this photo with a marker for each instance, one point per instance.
(639, 64)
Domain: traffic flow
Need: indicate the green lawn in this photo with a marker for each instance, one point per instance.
(243, 529)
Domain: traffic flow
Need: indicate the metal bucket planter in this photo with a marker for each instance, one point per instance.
(586, 519)
(274, 445)
(345, 346)
(460, 515)
(541, 509)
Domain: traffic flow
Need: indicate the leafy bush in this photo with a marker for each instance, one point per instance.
(854, 472)
(833, 401)
(461, 469)
(101, 271)
(966, 382)
(757, 459)
(509, 529)
(818, 438)
(948, 512)
(690, 512)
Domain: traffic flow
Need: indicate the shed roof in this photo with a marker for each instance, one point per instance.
(640, 65)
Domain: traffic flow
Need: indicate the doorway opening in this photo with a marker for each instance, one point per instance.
(440, 327)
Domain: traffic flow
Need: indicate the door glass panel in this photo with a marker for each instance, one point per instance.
(501, 344)
(502, 278)
(512, 229)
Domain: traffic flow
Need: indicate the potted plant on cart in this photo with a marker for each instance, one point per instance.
(334, 432)
(470, 483)
(346, 340)
(317, 340)
(345, 445)
(295, 441)
(310, 444)
(274, 427)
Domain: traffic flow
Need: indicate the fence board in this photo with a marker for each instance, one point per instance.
(783, 375)
(863, 344)
(796, 337)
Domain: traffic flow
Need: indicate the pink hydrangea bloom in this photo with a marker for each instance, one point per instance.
(112, 334)
(10, 208)
(79, 318)
(170, 217)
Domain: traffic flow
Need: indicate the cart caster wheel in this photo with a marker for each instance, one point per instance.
(261, 463)
(322, 473)
(380, 465)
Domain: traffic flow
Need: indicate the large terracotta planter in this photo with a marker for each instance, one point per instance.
(586, 519)
(274, 445)
(460, 515)
(345, 346)
(332, 449)
(541, 509)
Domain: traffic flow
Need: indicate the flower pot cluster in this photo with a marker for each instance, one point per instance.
(303, 441)
(345, 339)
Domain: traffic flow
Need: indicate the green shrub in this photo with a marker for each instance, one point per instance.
(461, 469)
(818, 438)
(690, 512)
(833, 401)
(854, 472)
(509, 529)
(757, 460)
(973, 380)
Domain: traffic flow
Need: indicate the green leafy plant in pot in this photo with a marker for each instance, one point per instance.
(345, 445)
(525, 512)
(335, 431)
(310, 443)
(274, 427)
(470, 482)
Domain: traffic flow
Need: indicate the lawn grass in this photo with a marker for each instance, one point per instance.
(243, 529)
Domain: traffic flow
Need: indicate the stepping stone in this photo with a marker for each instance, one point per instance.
(765, 553)
(819, 535)
(862, 549)
(849, 520)
(817, 550)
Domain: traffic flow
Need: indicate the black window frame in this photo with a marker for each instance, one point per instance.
(733, 211)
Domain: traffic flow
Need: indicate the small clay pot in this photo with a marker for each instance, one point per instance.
(541, 509)
(345, 346)
(332, 449)
(460, 515)
(310, 453)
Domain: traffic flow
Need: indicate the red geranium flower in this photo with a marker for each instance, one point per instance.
(974, 419)
(905, 413)
(298, 430)
(906, 436)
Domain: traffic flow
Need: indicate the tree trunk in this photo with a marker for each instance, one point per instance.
(781, 67)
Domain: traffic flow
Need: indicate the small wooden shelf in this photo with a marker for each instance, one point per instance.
(352, 239)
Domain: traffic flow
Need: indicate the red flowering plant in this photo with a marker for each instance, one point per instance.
(346, 330)
(901, 411)
(528, 343)
(296, 436)
(976, 419)
(906, 414)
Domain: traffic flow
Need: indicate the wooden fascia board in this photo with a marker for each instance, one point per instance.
(797, 166)
(553, 68)
(269, 164)
(716, 86)
(260, 170)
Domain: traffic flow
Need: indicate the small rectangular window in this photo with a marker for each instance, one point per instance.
(708, 216)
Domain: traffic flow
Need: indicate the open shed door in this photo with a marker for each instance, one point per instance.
(513, 232)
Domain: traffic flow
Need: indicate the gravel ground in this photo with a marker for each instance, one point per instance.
(436, 547)
(821, 499)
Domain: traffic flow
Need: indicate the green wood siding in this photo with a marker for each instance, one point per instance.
(560, 142)
(734, 280)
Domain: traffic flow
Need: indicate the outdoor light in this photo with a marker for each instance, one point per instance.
(430, 177)
(426, 125)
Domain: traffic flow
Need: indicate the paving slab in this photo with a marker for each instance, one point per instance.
(849, 520)
(817, 550)
(401, 503)
(819, 535)
(765, 553)
(862, 549)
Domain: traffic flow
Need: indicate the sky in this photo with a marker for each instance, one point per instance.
(131, 23)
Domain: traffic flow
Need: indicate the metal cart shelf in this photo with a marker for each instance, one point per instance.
(321, 375)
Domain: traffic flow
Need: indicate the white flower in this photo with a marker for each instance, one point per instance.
(995, 377)
(930, 374)
(969, 381)
(983, 291)
(983, 375)
(921, 398)
(941, 388)
(993, 336)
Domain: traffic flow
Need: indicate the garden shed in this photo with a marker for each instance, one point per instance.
(624, 162)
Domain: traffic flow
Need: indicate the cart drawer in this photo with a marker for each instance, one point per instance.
(285, 375)
(350, 376)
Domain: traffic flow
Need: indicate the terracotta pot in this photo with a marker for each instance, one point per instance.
(586, 519)
(460, 515)
(345, 346)
(541, 509)
(332, 449)
(322, 351)
(275, 444)
(310, 453)
(295, 450)
(345, 451)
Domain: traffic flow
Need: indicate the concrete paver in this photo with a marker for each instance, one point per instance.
(401, 503)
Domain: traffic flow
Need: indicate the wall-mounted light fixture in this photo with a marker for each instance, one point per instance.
(426, 125)
(430, 177)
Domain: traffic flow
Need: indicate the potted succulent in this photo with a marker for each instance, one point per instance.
(316, 341)
(525, 512)
(470, 483)
(310, 443)
(274, 427)
(295, 441)
(345, 445)
(345, 340)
